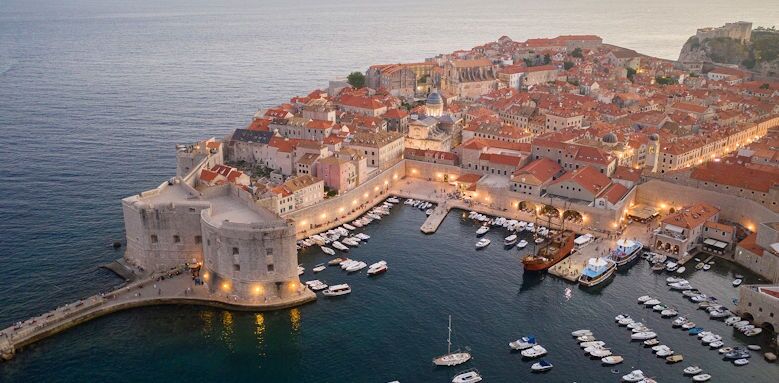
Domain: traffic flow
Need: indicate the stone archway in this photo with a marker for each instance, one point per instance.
(550, 211)
(767, 327)
(572, 215)
(526, 205)
(747, 316)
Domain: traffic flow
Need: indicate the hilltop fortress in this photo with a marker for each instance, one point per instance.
(741, 31)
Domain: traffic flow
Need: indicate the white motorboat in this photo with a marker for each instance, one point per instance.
(612, 360)
(541, 366)
(737, 282)
(625, 321)
(319, 267)
(692, 370)
(600, 353)
(469, 376)
(725, 350)
(644, 298)
(634, 376)
(732, 320)
(582, 332)
(350, 242)
(651, 342)
(716, 344)
(671, 266)
(336, 290)
(644, 335)
(327, 250)
(377, 268)
(301, 270)
(681, 270)
(586, 338)
(482, 243)
(679, 321)
(534, 352)
(349, 227)
(451, 358)
(522, 244)
(706, 267)
(393, 200)
(753, 331)
(346, 263)
(660, 347)
(316, 285)
(665, 353)
(701, 377)
(357, 266)
(595, 343)
(621, 317)
(651, 302)
(523, 343)
(510, 240)
(635, 325)
(340, 246)
(482, 230)
(668, 313)
(741, 362)
(363, 236)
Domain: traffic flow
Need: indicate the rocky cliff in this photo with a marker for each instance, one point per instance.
(760, 53)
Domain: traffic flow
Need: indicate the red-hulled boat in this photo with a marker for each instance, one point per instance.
(554, 251)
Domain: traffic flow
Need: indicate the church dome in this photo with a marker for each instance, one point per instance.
(434, 99)
(610, 138)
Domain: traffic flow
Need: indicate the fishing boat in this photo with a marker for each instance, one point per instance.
(523, 343)
(451, 358)
(541, 366)
(558, 247)
(536, 351)
(337, 290)
(467, 376)
(377, 268)
(510, 240)
(598, 270)
(482, 243)
(626, 251)
(521, 244)
(319, 267)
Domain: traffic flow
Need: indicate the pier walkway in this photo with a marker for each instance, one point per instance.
(571, 267)
(434, 220)
(175, 286)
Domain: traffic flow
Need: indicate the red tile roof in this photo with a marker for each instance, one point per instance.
(588, 178)
(736, 175)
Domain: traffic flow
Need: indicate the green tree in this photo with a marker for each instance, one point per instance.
(567, 65)
(356, 79)
(577, 53)
(631, 73)
(547, 59)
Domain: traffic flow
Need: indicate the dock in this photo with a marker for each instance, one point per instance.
(434, 220)
(174, 286)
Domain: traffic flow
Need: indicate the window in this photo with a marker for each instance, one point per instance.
(269, 251)
(198, 239)
(154, 238)
(176, 239)
(270, 267)
(235, 250)
(236, 267)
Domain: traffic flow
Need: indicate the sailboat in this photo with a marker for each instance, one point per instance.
(451, 358)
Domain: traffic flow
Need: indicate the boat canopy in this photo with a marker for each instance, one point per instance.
(625, 243)
(595, 267)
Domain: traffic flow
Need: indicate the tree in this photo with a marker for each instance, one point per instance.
(356, 79)
(765, 86)
(567, 65)
(577, 53)
(631, 73)
(547, 59)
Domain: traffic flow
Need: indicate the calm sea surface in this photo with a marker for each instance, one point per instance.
(94, 94)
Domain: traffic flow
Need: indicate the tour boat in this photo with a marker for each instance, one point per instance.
(643, 335)
(482, 243)
(337, 290)
(451, 358)
(521, 244)
(692, 370)
(626, 251)
(468, 376)
(634, 376)
(612, 360)
(356, 266)
(319, 267)
(510, 240)
(558, 247)
(377, 268)
(541, 366)
(701, 378)
(582, 332)
(482, 230)
(536, 351)
(523, 343)
(340, 246)
(737, 282)
(598, 270)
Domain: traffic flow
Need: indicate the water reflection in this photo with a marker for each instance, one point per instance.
(530, 280)
(207, 317)
(259, 333)
(227, 330)
(294, 318)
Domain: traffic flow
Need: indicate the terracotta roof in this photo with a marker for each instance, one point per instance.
(588, 178)
(750, 244)
(395, 114)
(362, 102)
(693, 216)
(501, 159)
(540, 68)
(688, 107)
(319, 124)
(469, 178)
(542, 169)
(207, 175)
(736, 175)
(614, 193)
(627, 173)
(471, 63)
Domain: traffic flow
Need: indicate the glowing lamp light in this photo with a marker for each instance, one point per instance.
(226, 286)
(375, 188)
(258, 290)
(324, 215)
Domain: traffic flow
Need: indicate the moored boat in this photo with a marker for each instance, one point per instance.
(337, 290)
(626, 251)
(523, 343)
(451, 358)
(598, 270)
(482, 243)
(468, 376)
(541, 366)
(558, 247)
(377, 268)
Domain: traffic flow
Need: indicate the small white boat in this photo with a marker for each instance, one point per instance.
(701, 377)
(469, 376)
(482, 230)
(582, 332)
(644, 335)
(586, 338)
(754, 347)
(316, 285)
(665, 352)
(600, 353)
(644, 298)
(350, 242)
(732, 320)
(482, 243)
(681, 270)
(522, 244)
(319, 267)
(348, 227)
(671, 266)
(337, 290)
(428, 211)
(737, 282)
(669, 313)
(706, 267)
(541, 366)
(327, 250)
(356, 266)
(534, 352)
(539, 240)
(612, 360)
(377, 268)
(301, 270)
(716, 344)
(634, 376)
(753, 331)
(692, 370)
(510, 240)
(595, 343)
(651, 302)
(625, 321)
(340, 246)
(523, 343)
(363, 236)
(741, 362)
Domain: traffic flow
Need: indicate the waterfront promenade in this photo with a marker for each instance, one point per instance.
(175, 286)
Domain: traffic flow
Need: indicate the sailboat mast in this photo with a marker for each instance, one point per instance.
(449, 338)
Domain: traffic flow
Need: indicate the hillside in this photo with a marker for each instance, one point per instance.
(761, 54)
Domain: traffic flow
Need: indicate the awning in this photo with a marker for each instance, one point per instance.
(675, 229)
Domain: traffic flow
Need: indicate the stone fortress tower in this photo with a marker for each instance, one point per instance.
(741, 31)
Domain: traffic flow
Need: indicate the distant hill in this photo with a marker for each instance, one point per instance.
(760, 53)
